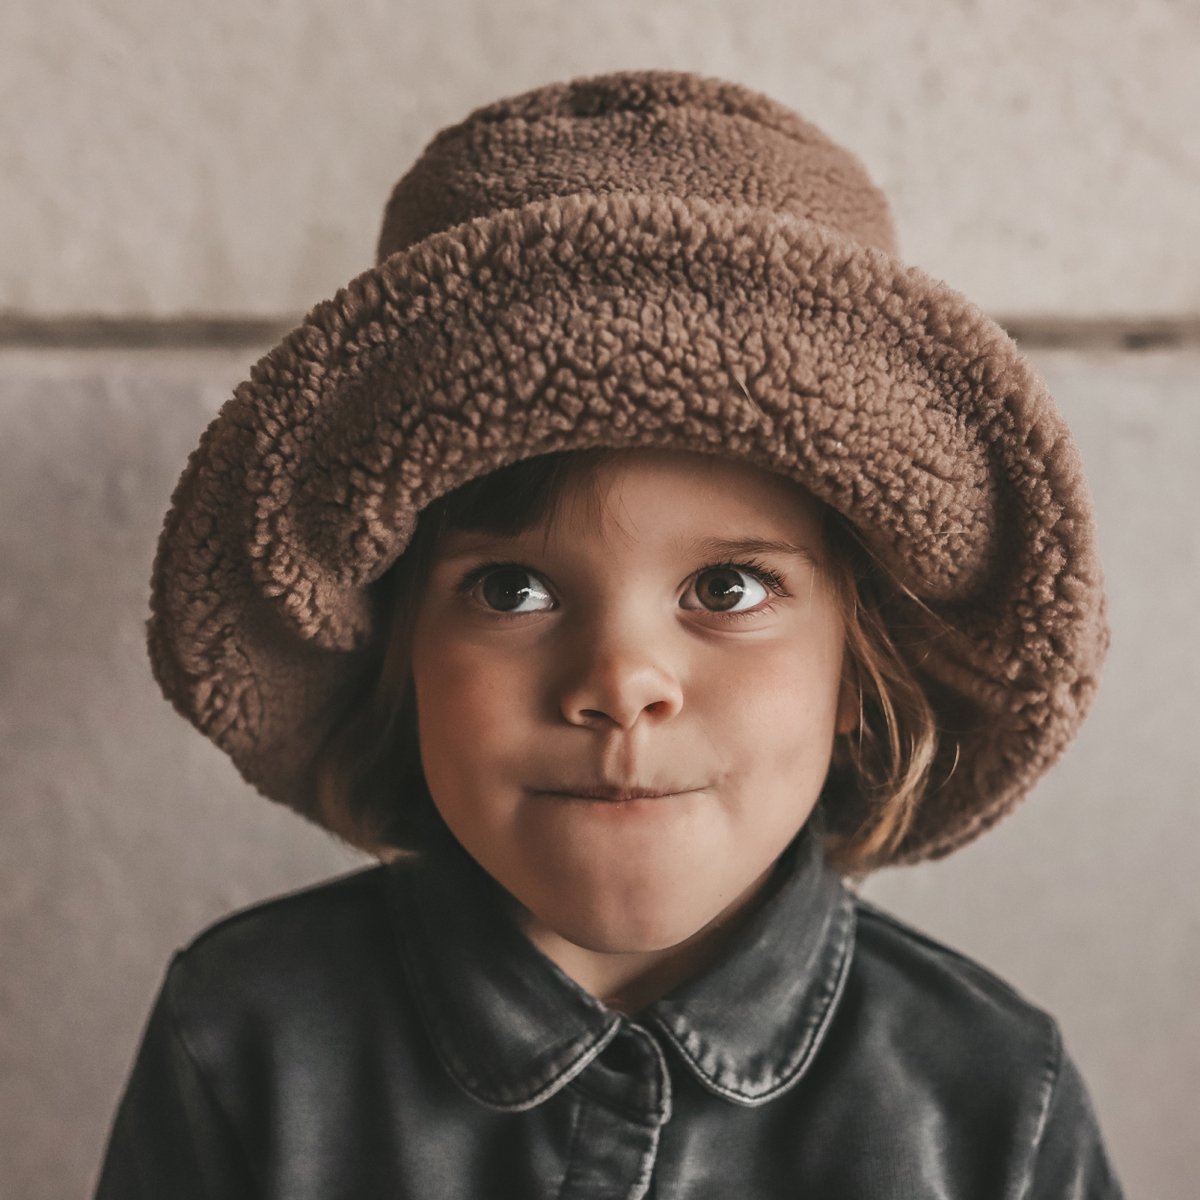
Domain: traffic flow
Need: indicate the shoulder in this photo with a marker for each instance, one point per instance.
(920, 968)
(983, 1058)
(307, 943)
(307, 916)
(956, 1014)
(290, 996)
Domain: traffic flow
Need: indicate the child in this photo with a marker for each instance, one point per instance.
(632, 561)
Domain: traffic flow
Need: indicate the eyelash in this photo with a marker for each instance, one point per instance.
(769, 578)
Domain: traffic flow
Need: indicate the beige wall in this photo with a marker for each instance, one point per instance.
(234, 158)
(229, 160)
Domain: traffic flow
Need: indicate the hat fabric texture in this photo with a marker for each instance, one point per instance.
(641, 258)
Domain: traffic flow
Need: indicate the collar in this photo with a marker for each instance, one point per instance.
(512, 1028)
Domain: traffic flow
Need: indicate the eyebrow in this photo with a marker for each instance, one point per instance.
(734, 547)
(713, 547)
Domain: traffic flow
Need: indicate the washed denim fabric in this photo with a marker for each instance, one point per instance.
(392, 1033)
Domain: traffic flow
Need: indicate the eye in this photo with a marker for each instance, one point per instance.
(719, 584)
(509, 589)
(505, 586)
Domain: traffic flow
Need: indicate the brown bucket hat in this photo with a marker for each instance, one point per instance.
(643, 258)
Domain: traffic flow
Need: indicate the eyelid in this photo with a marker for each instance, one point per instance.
(770, 578)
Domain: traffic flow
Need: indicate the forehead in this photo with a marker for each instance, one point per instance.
(674, 502)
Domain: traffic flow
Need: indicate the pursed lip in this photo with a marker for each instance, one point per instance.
(605, 792)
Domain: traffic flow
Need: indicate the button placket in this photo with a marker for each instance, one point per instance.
(624, 1100)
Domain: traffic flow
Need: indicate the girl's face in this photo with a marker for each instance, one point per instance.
(619, 651)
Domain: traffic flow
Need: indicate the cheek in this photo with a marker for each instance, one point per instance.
(466, 702)
(784, 705)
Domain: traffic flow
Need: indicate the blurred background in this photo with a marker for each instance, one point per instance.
(181, 184)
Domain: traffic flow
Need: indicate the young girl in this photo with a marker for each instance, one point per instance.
(632, 561)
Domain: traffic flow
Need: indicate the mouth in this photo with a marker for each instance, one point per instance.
(614, 795)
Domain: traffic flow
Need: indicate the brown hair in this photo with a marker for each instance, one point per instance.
(370, 785)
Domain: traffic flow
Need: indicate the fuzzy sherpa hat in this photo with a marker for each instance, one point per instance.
(644, 258)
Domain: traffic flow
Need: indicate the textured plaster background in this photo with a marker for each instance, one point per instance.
(231, 161)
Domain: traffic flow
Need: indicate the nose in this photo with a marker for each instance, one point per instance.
(612, 679)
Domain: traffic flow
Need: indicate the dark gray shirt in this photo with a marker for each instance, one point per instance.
(393, 1033)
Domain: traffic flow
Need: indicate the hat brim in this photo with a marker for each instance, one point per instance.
(627, 319)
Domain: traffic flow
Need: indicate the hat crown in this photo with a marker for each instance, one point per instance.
(635, 131)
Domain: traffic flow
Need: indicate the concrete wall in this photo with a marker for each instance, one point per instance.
(229, 163)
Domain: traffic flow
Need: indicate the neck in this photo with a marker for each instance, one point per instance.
(630, 981)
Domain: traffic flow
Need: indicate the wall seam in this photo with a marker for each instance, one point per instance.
(234, 332)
